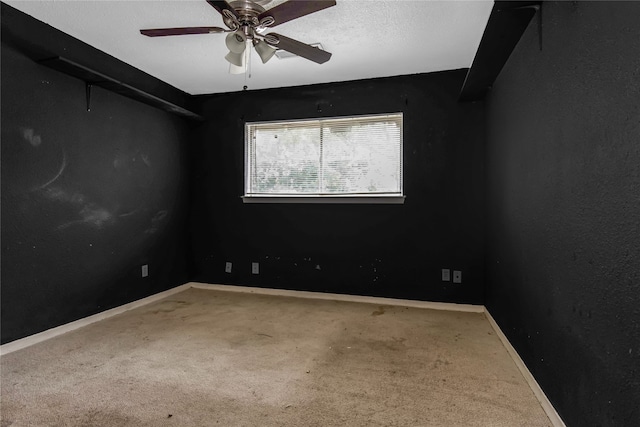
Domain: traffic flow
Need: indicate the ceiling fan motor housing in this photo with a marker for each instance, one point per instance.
(246, 20)
(247, 15)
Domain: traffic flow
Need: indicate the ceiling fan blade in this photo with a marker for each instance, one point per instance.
(301, 49)
(221, 5)
(159, 32)
(295, 9)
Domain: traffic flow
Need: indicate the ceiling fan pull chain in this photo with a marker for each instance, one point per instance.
(248, 53)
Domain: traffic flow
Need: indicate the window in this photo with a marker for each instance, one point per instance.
(345, 159)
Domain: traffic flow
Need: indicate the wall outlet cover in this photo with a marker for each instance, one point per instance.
(227, 267)
(446, 275)
(145, 270)
(255, 268)
(457, 276)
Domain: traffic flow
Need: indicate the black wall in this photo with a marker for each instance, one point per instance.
(563, 163)
(382, 250)
(87, 198)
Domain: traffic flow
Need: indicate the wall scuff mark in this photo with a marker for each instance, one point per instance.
(31, 137)
(90, 213)
(156, 221)
(62, 167)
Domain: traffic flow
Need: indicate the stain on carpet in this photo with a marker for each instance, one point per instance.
(378, 312)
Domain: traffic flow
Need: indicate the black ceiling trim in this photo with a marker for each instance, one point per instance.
(506, 24)
(53, 48)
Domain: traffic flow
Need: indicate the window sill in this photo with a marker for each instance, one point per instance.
(367, 200)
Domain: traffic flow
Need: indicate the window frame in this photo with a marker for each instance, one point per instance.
(352, 198)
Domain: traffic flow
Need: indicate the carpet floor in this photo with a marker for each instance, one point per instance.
(206, 358)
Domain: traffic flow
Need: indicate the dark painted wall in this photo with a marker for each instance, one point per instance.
(383, 250)
(87, 198)
(563, 166)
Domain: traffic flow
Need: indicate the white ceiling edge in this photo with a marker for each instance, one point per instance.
(367, 39)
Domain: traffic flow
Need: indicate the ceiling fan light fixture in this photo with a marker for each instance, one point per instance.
(239, 62)
(265, 51)
(236, 59)
(234, 69)
(236, 42)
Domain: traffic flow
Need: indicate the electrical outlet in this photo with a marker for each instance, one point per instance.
(227, 267)
(457, 276)
(446, 275)
(145, 270)
(255, 268)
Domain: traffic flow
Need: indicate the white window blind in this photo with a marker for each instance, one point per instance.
(347, 156)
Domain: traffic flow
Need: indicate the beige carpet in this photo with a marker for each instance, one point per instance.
(207, 358)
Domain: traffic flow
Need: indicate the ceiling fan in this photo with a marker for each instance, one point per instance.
(246, 22)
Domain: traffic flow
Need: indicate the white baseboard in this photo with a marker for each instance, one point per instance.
(343, 297)
(68, 327)
(548, 408)
(62, 329)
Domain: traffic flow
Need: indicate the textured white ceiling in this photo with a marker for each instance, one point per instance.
(368, 38)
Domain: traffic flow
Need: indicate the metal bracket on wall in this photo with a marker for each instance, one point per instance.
(95, 78)
(88, 90)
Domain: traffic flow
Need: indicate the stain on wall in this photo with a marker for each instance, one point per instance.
(87, 198)
(563, 174)
(383, 250)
